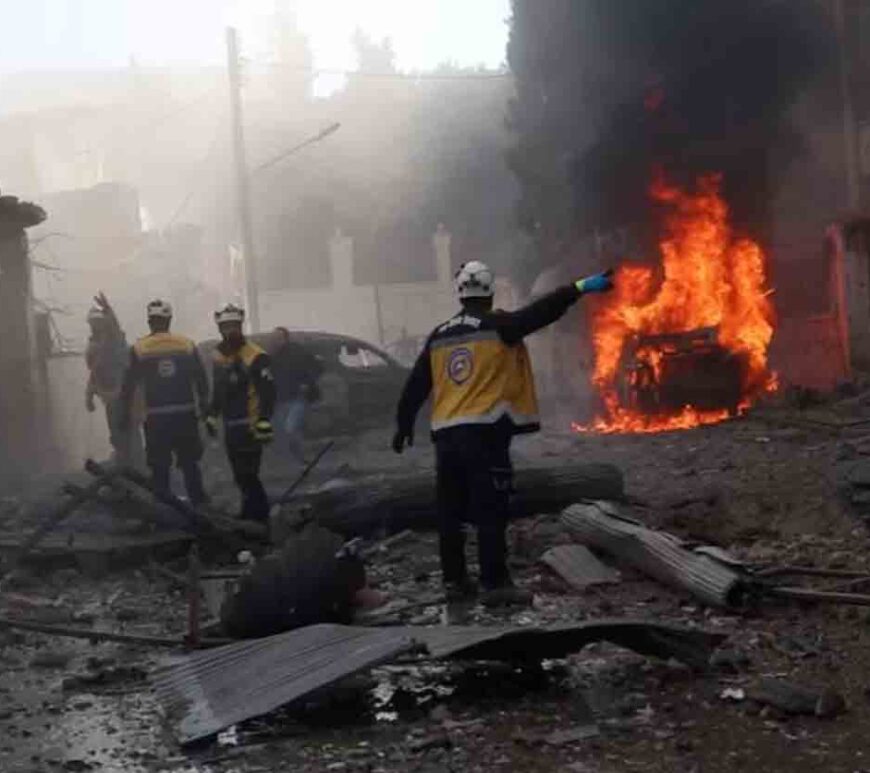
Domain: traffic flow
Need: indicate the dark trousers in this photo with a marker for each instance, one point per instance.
(245, 458)
(126, 442)
(175, 435)
(474, 477)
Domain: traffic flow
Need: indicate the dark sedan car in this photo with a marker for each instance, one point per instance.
(360, 385)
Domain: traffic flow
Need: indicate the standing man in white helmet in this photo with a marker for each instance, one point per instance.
(170, 372)
(243, 392)
(483, 393)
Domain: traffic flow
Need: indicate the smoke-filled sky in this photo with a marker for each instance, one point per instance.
(51, 34)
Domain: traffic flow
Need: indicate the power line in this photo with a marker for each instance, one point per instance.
(331, 129)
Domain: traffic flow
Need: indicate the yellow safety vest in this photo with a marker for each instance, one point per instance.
(478, 379)
(166, 363)
(241, 403)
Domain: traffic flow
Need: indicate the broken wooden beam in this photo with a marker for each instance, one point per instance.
(820, 596)
(84, 633)
(601, 526)
(390, 503)
(62, 512)
(196, 521)
(288, 494)
(811, 571)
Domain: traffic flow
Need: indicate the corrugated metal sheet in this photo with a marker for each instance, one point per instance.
(658, 554)
(208, 691)
(692, 646)
(579, 567)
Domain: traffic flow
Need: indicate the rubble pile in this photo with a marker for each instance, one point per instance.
(106, 594)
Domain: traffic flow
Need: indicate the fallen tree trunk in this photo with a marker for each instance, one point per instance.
(657, 554)
(392, 503)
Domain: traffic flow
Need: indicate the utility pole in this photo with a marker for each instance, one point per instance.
(243, 192)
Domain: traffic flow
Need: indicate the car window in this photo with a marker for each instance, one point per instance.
(353, 356)
(372, 359)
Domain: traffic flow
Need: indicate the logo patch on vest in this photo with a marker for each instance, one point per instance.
(166, 368)
(460, 365)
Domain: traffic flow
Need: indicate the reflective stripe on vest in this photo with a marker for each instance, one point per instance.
(478, 379)
(163, 410)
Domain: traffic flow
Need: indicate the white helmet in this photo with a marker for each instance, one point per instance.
(160, 309)
(474, 280)
(229, 313)
(96, 314)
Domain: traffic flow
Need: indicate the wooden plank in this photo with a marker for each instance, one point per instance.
(579, 567)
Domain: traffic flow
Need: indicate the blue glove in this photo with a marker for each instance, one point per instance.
(598, 283)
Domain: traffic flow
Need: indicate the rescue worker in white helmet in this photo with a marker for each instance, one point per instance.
(173, 380)
(477, 368)
(243, 392)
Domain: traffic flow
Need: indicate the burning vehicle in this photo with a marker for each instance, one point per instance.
(684, 342)
(661, 374)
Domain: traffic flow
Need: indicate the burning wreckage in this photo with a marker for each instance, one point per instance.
(685, 343)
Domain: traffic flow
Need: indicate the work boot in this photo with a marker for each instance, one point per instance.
(507, 596)
(460, 591)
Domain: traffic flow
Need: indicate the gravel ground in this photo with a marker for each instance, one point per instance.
(770, 488)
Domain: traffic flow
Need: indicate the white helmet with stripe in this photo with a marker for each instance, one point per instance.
(229, 313)
(474, 280)
(159, 309)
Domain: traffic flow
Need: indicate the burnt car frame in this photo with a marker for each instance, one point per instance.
(694, 370)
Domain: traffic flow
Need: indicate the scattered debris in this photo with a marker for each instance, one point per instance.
(729, 659)
(51, 659)
(579, 567)
(433, 741)
(105, 677)
(797, 699)
(572, 735)
(63, 511)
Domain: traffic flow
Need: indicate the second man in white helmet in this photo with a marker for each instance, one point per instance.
(243, 393)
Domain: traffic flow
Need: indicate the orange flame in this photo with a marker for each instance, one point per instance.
(709, 279)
